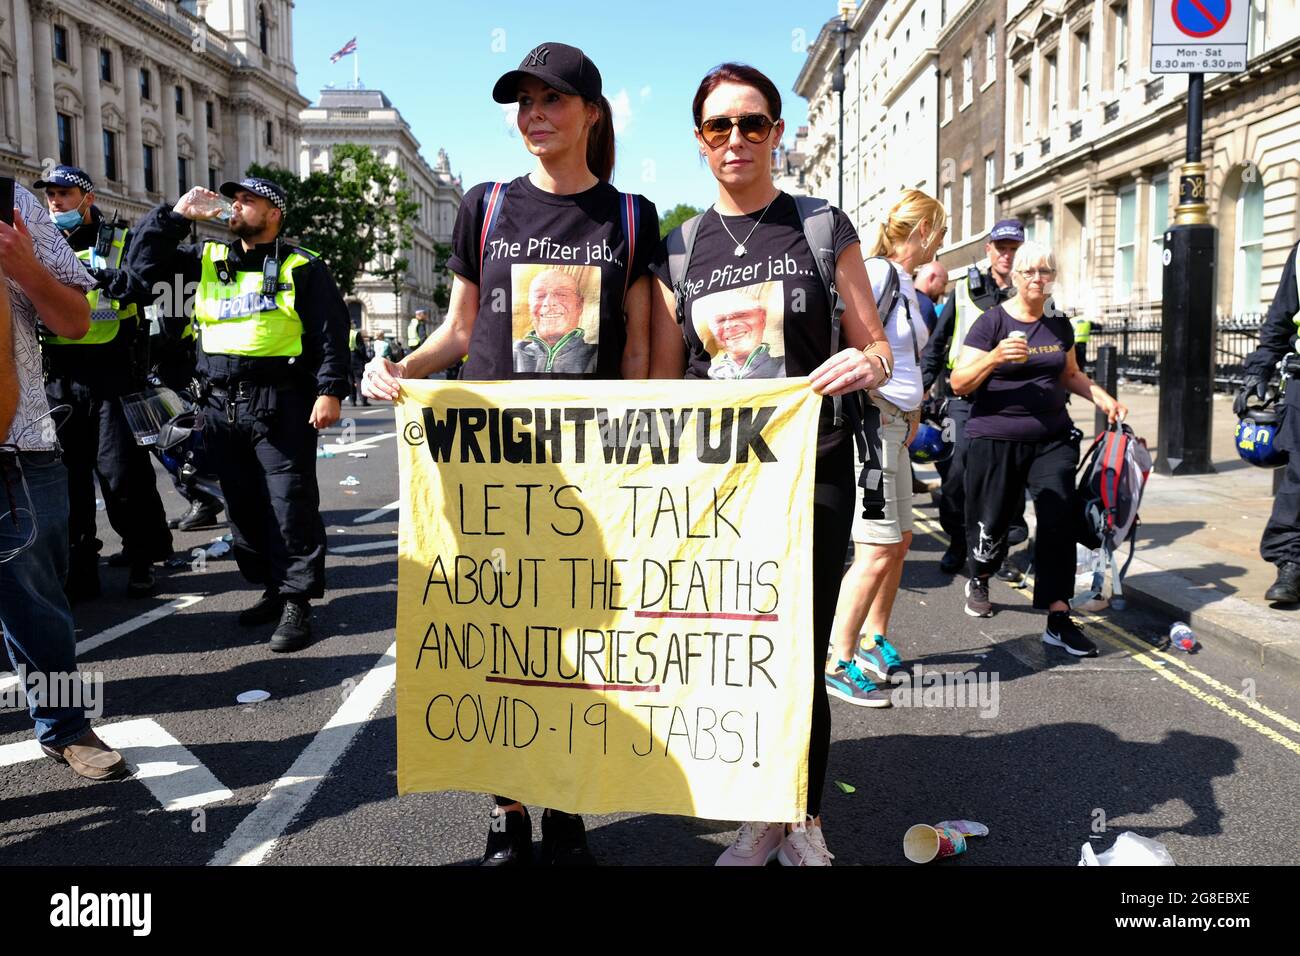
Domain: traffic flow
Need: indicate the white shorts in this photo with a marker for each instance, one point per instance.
(894, 427)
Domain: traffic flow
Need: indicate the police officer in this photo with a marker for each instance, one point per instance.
(272, 368)
(1279, 344)
(91, 375)
(971, 297)
(357, 351)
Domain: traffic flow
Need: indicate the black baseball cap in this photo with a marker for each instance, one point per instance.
(66, 176)
(559, 66)
(265, 188)
(1012, 229)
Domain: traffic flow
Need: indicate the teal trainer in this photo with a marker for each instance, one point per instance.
(849, 684)
(882, 660)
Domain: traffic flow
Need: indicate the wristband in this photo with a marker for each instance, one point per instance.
(884, 365)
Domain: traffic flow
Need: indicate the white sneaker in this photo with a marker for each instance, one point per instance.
(756, 844)
(804, 845)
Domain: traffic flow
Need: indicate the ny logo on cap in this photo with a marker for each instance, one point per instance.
(538, 56)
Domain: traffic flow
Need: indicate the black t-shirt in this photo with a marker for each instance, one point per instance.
(1022, 401)
(764, 314)
(555, 270)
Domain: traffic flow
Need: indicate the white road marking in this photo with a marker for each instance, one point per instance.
(361, 444)
(258, 833)
(377, 513)
(176, 778)
(121, 630)
(368, 546)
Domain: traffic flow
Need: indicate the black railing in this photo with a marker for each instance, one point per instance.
(1155, 88)
(1137, 340)
(1076, 130)
(1112, 112)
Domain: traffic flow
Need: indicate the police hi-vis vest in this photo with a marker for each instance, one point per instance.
(966, 312)
(106, 315)
(237, 318)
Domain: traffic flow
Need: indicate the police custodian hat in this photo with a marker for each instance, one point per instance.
(261, 187)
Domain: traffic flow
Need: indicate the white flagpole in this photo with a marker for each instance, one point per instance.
(356, 69)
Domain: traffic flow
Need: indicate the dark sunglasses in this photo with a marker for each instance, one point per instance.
(755, 127)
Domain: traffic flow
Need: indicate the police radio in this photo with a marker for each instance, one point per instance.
(104, 238)
(271, 272)
(978, 283)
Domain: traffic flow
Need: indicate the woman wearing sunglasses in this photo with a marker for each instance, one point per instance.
(560, 319)
(1018, 365)
(732, 324)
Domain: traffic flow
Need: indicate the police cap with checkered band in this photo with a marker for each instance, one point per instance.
(68, 177)
(261, 187)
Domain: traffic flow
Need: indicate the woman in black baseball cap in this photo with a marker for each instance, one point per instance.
(530, 300)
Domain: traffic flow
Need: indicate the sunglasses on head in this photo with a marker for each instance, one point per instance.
(755, 127)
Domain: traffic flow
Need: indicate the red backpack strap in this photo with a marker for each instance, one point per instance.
(494, 198)
(630, 213)
(1116, 451)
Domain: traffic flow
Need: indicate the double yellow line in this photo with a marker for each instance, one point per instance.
(1218, 695)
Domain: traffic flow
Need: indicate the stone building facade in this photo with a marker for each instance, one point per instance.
(368, 118)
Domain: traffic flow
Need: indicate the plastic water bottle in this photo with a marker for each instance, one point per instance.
(324, 451)
(1182, 637)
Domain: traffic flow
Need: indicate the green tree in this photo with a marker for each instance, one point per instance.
(675, 217)
(441, 277)
(357, 215)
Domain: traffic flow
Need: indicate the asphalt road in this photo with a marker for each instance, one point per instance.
(1200, 752)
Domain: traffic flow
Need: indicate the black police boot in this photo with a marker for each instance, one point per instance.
(142, 582)
(953, 560)
(202, 514)
(266, 610)
(1286, 589)
(509, 840)
(564, 840)
(294, 630)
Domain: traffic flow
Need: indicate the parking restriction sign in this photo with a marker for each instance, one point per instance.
(1199, 36)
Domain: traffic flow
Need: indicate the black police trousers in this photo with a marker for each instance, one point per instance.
(98, 444)
(266, 463)
(1281, 540)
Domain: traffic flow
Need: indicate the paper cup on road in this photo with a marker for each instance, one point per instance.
(923, 843)
(1019, 337)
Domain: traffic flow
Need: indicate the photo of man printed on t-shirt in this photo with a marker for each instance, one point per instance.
(743, 330)
(556, 317)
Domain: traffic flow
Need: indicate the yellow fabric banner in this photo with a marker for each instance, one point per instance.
(605, 594)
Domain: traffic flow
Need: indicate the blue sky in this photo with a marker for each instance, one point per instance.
(437, 63)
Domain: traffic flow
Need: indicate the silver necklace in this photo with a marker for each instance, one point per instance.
(740, 246)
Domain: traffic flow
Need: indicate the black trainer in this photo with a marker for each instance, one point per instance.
(1286, 589)
(977, 598)
(141, 582)
(294, 630)
(266, 610)
(119, 560)
(1063, 632)
(564, 840)
(202, 514)
(952, 560)
(509, 840)
(1009, 572)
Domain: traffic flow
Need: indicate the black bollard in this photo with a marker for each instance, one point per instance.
(1106, 374)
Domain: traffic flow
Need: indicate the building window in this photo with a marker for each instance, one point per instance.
(990, 54)
(990, 183)
(211, 114)
(61, 43)
(270, 133)
(1250, 247)
(66, 157)
(212, 178)
(967, 78)
(1082, 67)
(1052, 86)
(947, 96)
(1125, 228)
(150, 182)
(1044, 231)
(180, 100)
(1159, 219)
(263, 38)
(146, 85)
(1256, 39)
(110, 154)
(183, 174)
(965, 206)
(1024, 104)
(106, 65)
(1119, 16)
(947, 201)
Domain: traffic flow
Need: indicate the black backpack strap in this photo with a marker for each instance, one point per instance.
(680, 243)
(816, 217)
